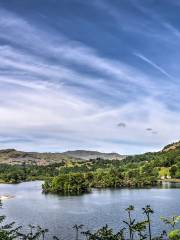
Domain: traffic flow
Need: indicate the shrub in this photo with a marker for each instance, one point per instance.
(174, 235)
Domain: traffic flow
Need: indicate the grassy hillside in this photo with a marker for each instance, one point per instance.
(167, 161)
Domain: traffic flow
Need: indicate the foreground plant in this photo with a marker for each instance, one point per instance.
(135, 230)
(77, 228)
(148, 211)
(130, 221)
(174, 235)
(172, 221)
(105, 233)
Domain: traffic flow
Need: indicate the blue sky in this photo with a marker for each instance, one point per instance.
(98, 75)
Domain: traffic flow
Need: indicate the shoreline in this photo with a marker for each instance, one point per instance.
(173, 180)
(6, 197)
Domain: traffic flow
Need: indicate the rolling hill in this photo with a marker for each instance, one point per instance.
(87, 155)
(13, 156)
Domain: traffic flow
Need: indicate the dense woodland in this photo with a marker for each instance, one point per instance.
(76, 177)
(135, 171)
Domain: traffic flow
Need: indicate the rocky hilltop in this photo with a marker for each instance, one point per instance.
(12, 156)
(172, 146)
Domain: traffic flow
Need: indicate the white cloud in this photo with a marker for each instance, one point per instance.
(51, 103)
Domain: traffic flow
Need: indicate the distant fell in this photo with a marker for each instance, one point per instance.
(87, 155)
(13, 156)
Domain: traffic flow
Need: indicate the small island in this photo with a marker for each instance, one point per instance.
(68, 184)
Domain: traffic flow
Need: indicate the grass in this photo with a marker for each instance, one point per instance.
(164, 171)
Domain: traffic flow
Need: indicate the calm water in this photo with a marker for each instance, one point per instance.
(94, 210)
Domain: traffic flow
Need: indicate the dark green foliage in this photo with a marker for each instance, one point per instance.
(173, 171)
(19, 173)
(133, 230)
(10, 232)
(74, 184)
(174, 235)
(104, 233)
(101, 178)
(112, 174)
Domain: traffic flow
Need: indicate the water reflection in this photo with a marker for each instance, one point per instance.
(170, 185)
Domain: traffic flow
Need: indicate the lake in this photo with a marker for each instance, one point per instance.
(59, 213)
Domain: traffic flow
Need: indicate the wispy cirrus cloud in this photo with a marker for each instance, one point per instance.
(153, 64)
(58, 93)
